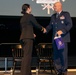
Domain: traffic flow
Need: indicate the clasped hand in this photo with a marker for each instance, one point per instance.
(44, 31)
(59, 32)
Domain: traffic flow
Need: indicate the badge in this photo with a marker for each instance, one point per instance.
(62, 22)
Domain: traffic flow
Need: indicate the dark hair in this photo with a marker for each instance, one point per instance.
(24, 8)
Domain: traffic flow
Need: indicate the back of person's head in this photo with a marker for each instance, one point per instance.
(24, 8)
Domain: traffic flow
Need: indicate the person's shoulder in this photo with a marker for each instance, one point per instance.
(31, 15)
(53, 15)
(65, 12)
(26, 14)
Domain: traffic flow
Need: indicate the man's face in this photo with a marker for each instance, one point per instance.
(57, 7)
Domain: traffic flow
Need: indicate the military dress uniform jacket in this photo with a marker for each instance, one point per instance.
(62, 22)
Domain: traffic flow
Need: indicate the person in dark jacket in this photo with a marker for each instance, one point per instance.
(61, 24)
(27, 23)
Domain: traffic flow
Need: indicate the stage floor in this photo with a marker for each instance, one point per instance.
(47, 72)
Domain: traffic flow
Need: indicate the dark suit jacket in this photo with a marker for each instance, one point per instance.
(27, 23)
(63, 22)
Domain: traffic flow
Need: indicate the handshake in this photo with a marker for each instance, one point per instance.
(44, 30)
(59, 32)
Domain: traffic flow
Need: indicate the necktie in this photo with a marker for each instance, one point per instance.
(57, 15)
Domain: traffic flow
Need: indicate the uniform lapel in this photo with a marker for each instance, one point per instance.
(61, 13)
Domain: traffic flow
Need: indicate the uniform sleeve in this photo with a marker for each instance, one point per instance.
(49, 27)
(68, 23)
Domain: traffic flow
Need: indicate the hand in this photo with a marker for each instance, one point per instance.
(34, 35)
(44, 31)
(59, 32)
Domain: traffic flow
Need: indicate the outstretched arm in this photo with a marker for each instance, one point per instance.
(35, 23)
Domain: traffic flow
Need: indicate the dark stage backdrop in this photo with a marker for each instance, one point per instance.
(10, 33)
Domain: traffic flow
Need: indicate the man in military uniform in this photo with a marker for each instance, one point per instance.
(61, 24)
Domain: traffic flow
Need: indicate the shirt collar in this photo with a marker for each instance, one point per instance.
(59, 12)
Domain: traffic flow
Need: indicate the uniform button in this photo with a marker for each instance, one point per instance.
(52, 22)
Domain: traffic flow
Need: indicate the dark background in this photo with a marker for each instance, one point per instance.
(10, 33)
